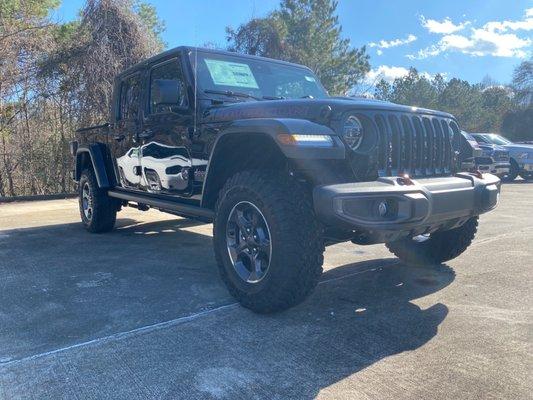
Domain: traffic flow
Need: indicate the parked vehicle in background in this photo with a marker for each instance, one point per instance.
(489, 157)
(470, 151)
(259, 148)
(495, 159)
(521, 155)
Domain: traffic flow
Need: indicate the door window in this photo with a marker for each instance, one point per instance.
(170, 73)
(130, 98)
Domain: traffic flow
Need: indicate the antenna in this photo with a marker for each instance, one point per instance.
(195, 80)
(195, 88)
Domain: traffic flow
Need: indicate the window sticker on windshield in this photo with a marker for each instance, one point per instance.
(231, 74)
(310, 79)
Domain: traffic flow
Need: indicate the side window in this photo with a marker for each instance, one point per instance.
(168, 74)
(130, 91)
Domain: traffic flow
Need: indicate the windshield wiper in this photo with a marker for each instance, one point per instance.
(231, 93)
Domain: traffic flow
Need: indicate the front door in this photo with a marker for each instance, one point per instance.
(165, 137)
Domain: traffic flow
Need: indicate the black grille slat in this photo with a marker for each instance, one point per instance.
(395, 144)
(409, 145)
(428, 144)
(383, 147)
(420, 147)
(448, 138)
(439, 147)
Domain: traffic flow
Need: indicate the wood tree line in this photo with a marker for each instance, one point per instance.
(56, 77)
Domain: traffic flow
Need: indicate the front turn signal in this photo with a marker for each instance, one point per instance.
(296, 139)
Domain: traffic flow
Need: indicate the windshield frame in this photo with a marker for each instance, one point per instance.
(200, 55)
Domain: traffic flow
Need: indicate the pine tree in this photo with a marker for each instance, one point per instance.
(305, 32)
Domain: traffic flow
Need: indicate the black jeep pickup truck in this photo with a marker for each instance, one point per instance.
(282, 169)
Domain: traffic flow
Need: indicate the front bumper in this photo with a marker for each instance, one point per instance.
(496, 168)
(392, 207)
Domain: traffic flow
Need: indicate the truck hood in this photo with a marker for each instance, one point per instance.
(309, 109)
(487, 146)
(519, 147)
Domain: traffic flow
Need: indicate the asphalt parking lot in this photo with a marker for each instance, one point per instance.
(140, 313)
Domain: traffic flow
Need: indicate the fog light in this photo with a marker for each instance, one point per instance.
(382, 208)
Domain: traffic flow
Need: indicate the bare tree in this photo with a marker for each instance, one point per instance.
(523, 83)
(59, 79)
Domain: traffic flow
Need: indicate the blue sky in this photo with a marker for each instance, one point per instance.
(468, 39)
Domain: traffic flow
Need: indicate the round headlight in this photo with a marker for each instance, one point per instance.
(352, 132)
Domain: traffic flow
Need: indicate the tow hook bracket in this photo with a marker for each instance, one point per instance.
(477, 173)
(405, 180)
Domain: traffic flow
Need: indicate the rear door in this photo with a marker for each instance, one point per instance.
(125, 146)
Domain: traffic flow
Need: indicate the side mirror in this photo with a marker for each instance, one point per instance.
(167, 92)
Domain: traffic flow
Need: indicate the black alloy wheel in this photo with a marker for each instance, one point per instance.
(248, 242)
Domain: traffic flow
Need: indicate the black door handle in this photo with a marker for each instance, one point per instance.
(120, 137)
(146, 134)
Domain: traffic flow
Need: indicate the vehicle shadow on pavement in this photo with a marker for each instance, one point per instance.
(347, 325)
(63, 286)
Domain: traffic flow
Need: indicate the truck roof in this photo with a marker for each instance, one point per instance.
(183, 49)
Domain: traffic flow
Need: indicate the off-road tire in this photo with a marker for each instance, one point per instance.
(297, 245)
(513, 172)
(104, 208)
(440, 247)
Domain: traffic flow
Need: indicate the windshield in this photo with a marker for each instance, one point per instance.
(497, 139)
(468, 136)
(256, 78)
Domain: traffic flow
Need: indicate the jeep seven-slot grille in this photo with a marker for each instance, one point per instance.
(418, 145)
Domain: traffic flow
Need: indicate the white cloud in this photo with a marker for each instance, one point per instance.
(486, 42)
(385, 72)
(445, 26)
(525, 24)
(390, 73)
(384, 44)
(495, 38)
(430, 51)
(379, 52)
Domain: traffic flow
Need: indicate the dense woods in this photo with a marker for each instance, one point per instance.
(56, 77)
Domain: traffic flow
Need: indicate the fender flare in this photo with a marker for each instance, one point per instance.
(100, 162)
(271, 128)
